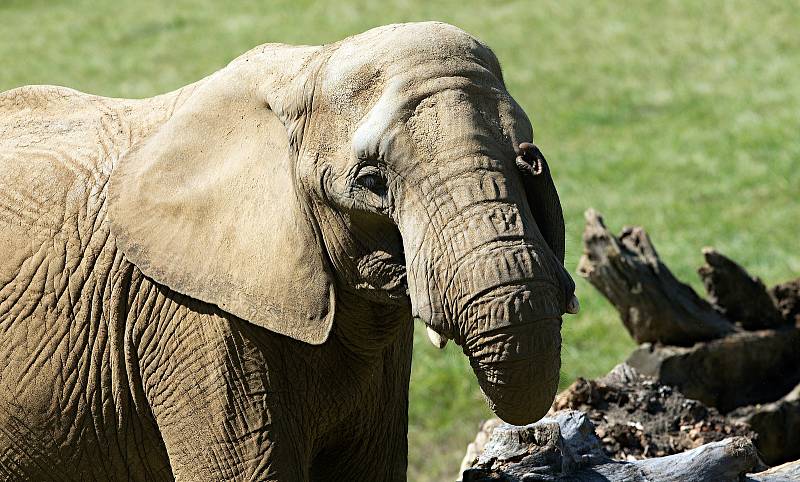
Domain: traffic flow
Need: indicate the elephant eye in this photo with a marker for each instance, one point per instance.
(372, 179)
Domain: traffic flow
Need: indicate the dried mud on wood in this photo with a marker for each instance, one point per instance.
(748, 367)
(636, 417)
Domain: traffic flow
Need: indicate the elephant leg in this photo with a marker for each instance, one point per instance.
(210, 445)
(220, 413)
(373, 445)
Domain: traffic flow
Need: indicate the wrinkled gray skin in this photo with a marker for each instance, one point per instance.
(267, 333)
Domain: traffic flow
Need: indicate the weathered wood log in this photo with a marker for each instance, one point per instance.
(475, 448)
(787, 298)
(653, 304)
(745, 368)
(788, 472)
(728, 459)
(737, 295)
(777, 425)
(564, 446)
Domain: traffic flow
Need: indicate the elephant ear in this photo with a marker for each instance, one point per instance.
(209, 204)
(543, 200)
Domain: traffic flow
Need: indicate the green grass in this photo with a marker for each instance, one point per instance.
(680, 116)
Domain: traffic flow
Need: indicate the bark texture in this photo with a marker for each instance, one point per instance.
(748, 368)
(653, 304)
(788, 472)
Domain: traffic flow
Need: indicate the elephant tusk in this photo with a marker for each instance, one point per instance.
(573, 307)
(436, 339)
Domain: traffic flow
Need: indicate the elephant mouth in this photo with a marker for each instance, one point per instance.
(383, 277)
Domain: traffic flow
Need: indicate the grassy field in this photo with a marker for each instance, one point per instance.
(680, 116)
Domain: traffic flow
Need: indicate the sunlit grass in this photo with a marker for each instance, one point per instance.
(680, 116)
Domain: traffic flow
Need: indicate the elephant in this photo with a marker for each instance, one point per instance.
(222, 282)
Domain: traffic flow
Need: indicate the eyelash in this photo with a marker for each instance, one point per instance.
(372, 179)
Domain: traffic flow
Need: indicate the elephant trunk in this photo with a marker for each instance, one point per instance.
(510, 328)
(484, 276)
(517, 364)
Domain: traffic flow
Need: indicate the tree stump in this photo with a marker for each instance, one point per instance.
(653, 304)
(737, 295)
(685, 343)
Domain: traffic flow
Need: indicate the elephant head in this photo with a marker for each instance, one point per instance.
(381, 167)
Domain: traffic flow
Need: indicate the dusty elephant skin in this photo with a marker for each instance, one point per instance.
(219, 283)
